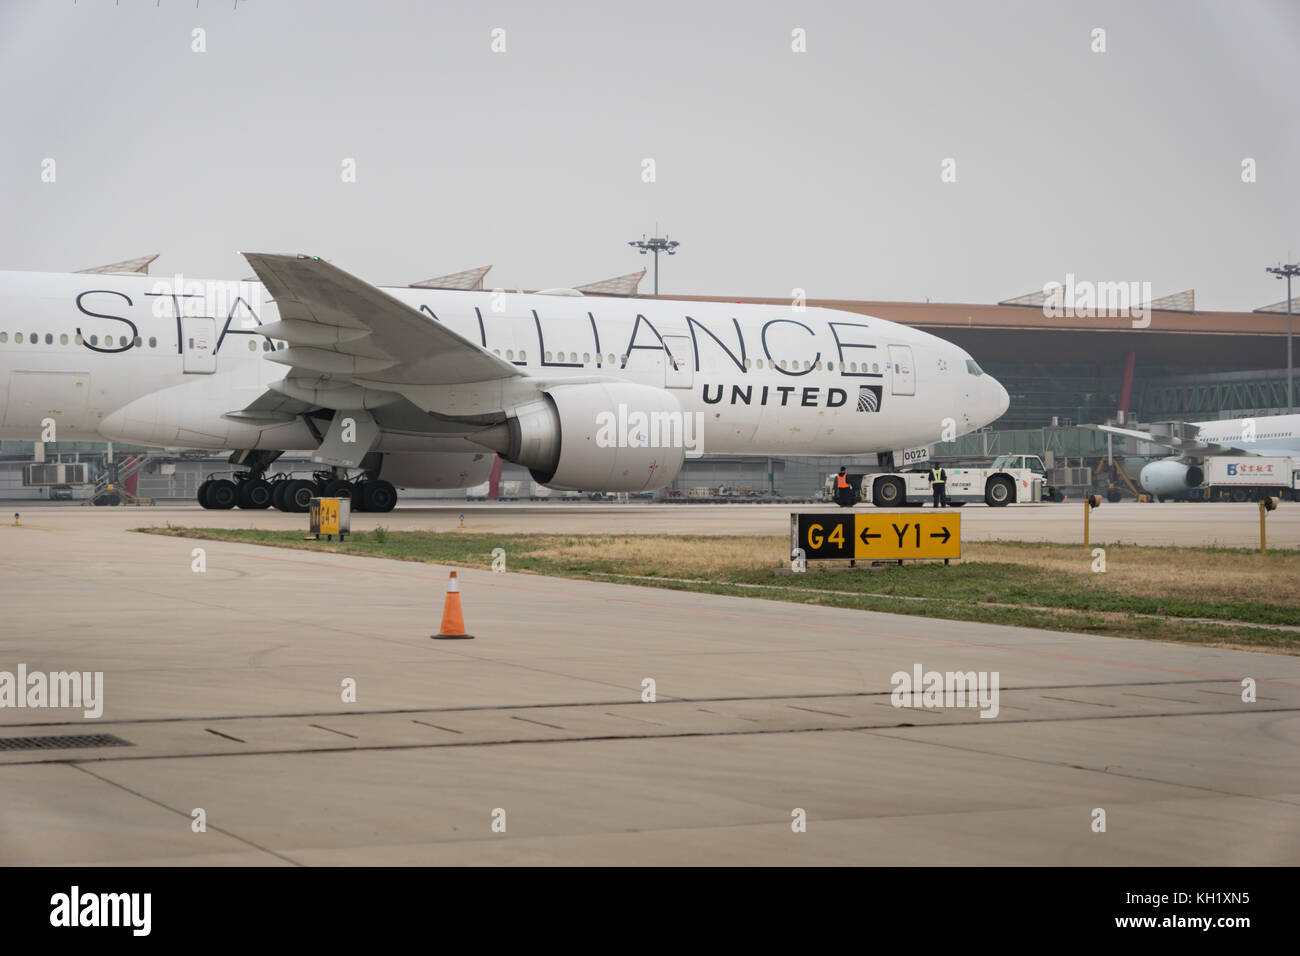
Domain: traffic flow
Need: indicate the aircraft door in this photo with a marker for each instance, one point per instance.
(199, 345)
(904, 372)
(679, 367)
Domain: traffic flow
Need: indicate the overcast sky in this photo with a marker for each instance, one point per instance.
(775, 169)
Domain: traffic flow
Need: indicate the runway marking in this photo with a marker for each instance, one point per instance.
(814, 710)
(333, 731)
(437, 727)
(539, 722)
(1176, 700)
(1225, 693)
(1074, 701)
(227, 736)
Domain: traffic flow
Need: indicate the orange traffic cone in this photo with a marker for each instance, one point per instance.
(453, 621)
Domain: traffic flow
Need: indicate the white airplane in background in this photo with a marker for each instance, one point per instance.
(423, 388)
(1196, 441)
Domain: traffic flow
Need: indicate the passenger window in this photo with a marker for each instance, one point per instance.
(4, 336)
(153, 342)
(63, 339)
(137, 341)
(94, 340)
(49, 339)
(252, 346)
(586, 357)
(18, 338)
(122, 341)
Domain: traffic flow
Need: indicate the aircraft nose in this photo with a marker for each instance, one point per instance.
(1001, 400)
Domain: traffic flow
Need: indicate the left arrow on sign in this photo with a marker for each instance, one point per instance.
(864, 536)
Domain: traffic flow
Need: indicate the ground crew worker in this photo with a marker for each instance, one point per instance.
(938, 484)
(843, 491)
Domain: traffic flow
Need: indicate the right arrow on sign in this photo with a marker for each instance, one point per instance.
(946, 535)
(864, 536)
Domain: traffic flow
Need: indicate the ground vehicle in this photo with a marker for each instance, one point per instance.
(1248, 478)
(1011, 479)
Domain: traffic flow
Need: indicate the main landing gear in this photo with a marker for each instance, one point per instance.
(253, 492)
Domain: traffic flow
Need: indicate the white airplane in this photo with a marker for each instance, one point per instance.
(423, 388)
(1196, 441)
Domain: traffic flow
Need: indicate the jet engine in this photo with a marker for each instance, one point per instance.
(602, 436)
(1170, 476)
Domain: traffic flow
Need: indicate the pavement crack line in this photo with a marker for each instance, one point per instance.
(472, 708)
(185, 816)
(672, 735)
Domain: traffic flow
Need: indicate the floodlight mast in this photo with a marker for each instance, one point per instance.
(656, 244)
(1286, 272)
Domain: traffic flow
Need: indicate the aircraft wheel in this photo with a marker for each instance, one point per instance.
(338, 488)
(1113, 496)
(222, 495)
(277, 494)
(255, 494)
(202, 496)
(359, 496)
(380, 496)
(298, 495)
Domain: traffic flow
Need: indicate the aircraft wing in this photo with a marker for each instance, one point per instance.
(346, 339)
(1189, 445)
(335, 324)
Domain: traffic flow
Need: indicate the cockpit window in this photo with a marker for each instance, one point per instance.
(973, 367)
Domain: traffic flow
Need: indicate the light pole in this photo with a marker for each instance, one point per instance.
(1286, 272)
(656, 244)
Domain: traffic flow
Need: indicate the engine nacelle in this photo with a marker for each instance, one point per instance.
(419, 469)
(598, 436)
(1171, 477)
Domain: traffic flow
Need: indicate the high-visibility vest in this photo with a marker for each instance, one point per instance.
(936, 474)
(841, 481)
